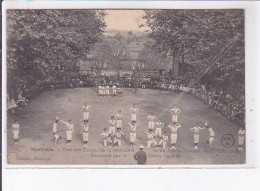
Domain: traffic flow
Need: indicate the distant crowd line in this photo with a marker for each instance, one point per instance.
(229, 103)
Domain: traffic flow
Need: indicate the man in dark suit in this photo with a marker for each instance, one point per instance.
(140, 156)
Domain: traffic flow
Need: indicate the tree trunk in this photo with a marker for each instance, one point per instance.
(175, 68)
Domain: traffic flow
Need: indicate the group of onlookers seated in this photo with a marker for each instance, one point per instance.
(23, 90)
(231, 104)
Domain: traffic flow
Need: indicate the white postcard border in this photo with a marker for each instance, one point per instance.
(251, 78)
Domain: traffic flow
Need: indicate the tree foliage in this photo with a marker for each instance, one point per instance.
(111, 51)
(153, 58)
(200, 35)
(38, 41)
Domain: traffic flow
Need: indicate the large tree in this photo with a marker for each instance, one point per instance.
(200, 37)
(38, 41)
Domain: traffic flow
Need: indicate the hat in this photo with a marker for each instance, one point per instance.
(141, 146)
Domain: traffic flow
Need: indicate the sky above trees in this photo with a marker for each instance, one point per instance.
(124, 19)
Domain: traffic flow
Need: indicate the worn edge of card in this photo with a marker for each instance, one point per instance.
(249, 14)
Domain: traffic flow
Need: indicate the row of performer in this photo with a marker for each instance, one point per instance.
(112, 136)
(158, 139)
(107, 91)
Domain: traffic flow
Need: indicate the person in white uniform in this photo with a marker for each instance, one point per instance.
(241, 138)
(112, 126)
(69, 131)
(151, 119)
(151, 138)
(16, 131)
(170, 88)
(174, 129)
(99, 90)
(196, 131)
(114, 90)
(55, 126)
(55, 130)
(133, 127)
(105, 135)
(85, 109)
(107, 91)
(85, 126)
(163, 141)
(175, 111)
(211, 134)
(22, 99)
(119, 119)
(118, 138)
(158, 128)
(134, 110)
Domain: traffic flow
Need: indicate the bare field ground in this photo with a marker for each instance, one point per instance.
(36, 120)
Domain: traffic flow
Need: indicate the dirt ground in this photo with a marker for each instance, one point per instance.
(36, 120)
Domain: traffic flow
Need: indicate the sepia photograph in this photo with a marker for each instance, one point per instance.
(125, 87)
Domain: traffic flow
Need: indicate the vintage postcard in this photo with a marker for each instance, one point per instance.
(125, 87)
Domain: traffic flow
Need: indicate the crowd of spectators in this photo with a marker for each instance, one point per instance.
(22, 90)
(229, 103)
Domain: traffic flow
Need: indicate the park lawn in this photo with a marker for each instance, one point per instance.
(36, 120)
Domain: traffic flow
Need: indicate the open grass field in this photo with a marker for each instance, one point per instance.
(36, 120)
